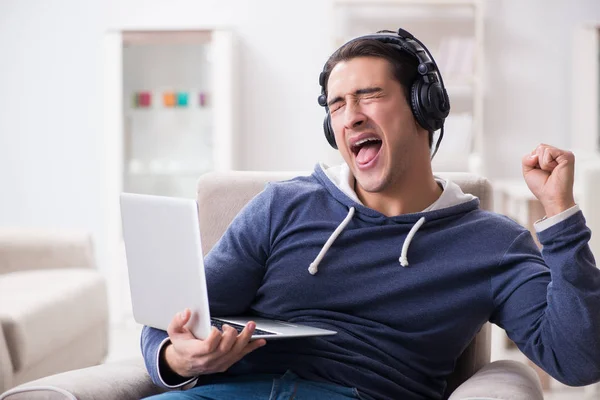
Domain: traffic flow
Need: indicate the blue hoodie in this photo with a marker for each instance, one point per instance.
(406, 294)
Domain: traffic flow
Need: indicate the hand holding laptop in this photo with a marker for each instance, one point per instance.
(188, 356)
(166, 274)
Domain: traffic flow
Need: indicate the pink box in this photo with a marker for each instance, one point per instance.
(145, 99)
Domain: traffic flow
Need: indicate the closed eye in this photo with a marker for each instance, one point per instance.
(371, 97)
(337, 106)
(363, 95)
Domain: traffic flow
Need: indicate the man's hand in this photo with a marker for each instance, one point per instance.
(549, 174)
(188, 356)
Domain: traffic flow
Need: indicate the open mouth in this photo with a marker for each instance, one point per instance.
(365, 150)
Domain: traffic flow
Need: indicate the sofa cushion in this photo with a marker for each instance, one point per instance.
(41, 310)
(26, 248)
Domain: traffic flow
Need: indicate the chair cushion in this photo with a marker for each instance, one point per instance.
(123, 380)
(41, 310)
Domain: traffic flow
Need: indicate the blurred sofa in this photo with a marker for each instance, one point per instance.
(53, 305)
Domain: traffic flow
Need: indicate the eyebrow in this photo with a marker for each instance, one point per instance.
(356, 93)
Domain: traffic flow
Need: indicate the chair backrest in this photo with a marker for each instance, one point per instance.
(221, 195)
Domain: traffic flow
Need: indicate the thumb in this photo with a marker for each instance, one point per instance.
(529, 162)
(177, 325)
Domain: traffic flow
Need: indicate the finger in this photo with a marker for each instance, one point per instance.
(177, 324)
(228, 340)
(253, 345)
(211, 343)
(548, 158)
(529, 162)
(562, 156)
(539, 152)
(237, 353)
(530, 165)
(245, 336)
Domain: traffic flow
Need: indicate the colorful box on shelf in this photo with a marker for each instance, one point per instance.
(169, 99)
(145, 99)
(142, 99)
(182, 99)
(175, 99)
(202, 99)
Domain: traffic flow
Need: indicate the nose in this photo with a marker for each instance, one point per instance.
(353, 117)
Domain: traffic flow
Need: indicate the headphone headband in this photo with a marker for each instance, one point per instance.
(404, 41)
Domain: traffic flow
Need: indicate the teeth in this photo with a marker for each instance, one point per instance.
(362, 141)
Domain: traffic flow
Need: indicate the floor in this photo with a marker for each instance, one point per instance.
(125, 338)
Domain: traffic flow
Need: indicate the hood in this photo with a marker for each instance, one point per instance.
(341, 177)
(340, 183)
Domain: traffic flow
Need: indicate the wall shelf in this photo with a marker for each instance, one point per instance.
(453, 31)
(177, 106)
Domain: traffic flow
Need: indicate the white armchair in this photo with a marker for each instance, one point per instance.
(220, 197)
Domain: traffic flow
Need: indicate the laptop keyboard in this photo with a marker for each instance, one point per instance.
(219, 325)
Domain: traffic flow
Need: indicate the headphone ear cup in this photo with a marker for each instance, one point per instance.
(329, 135)
(430, 104)
(417, 105)
(439, 104)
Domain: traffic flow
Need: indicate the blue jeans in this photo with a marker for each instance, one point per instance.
(263, 387)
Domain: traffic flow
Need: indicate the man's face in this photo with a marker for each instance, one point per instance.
(374, 128)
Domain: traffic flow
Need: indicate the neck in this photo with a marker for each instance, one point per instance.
(405, 196)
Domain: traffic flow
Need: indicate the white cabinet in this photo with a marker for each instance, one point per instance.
(177, 109)
(453, 31)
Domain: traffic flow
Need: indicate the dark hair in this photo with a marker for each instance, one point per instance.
(403, 64)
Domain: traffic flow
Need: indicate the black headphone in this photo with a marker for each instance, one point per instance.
(429, 100)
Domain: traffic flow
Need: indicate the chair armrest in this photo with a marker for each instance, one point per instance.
(501, 380)
(27, 249)
(6, 366)
(124, 380)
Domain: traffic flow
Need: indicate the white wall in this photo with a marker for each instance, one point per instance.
(50, 161)
(52, 164)
(529, 46)
(280, 59)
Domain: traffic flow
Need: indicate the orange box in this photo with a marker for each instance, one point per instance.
(169, 99)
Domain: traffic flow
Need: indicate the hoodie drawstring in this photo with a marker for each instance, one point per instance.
(403, 257)
(314, 266)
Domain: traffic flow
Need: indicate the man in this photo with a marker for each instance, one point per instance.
(403, 265)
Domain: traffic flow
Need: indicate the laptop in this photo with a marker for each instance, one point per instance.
(166, 269)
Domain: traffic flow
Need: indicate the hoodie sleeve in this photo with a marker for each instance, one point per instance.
(550, 306)
(234, 270)
(152, 342)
